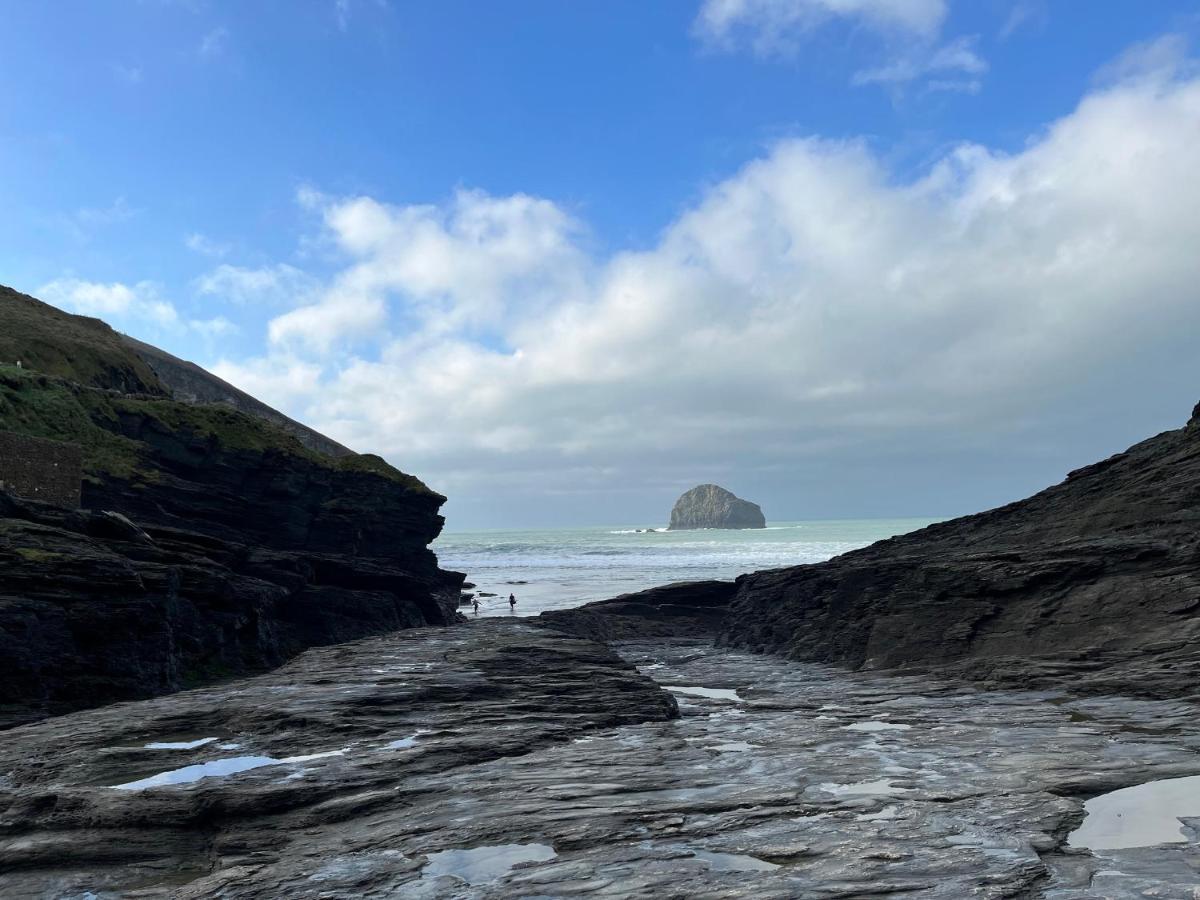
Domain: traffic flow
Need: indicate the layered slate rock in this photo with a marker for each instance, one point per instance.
(337, 746)
(498, 761)
(684, 609)
(711, 506)
(1094, 583)
(241, 544)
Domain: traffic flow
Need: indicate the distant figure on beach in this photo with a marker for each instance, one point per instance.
(476, 606)
(512, 603)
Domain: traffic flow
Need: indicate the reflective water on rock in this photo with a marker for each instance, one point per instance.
(1139, 816)
(217, 768)
(180, 745)
(776, 795)
(692, 690)
(479, 865)
(211, 769)
(733, 862)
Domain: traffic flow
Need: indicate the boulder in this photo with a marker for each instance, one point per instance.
(711, 506)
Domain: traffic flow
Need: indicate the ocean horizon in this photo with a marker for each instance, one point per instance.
(560, 568)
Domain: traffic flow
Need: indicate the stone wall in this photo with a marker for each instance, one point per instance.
(39, 469)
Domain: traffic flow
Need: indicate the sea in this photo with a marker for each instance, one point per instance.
(566, 567)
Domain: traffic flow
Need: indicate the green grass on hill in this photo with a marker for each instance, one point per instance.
(75, 348)
(46, 407)
(41, 406)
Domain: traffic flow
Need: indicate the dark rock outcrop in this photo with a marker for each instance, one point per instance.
(211, 543)
(1093, 583)
(95, 609)
(711, 506)
(684, 609)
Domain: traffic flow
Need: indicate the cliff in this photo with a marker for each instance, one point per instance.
(711, 506)
(248, 545)
(189, 383)
(1093, 583)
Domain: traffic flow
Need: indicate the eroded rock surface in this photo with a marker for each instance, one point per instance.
(711, 506)
(500, 761)
(1094, 582)
(328, 761)
(212, 543)
(688, 608)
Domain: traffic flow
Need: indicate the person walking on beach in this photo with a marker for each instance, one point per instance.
(476, 606)
(512, 603)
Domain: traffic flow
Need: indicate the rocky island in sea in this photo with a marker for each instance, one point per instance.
(230, 666)
(712, 506)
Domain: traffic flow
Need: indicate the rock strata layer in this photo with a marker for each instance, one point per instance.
(498, 761)
(686, 609)
(270, 787)
(212, 543)
(1093, 583)
(711, 506)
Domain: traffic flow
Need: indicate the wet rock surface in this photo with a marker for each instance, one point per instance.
(500, 760)
(687, 608)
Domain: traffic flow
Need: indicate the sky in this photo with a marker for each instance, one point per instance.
(563, 261)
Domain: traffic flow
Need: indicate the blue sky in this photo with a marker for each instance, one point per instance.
(394, 219)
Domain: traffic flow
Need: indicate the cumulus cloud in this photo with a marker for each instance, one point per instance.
(461, 266)
(810, 304)
(138, 307)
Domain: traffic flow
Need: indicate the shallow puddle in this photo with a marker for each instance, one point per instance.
(479, 865)
(710, 693)
(874, 726)
(880, 788)
(404, 743)
(733, 862)
(1140, 816)
(217, 768)
(180, 745)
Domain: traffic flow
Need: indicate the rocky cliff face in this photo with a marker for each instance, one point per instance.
(188, 383)
(685, 609)
(711, 506)
(1094, 582)
(248, 545)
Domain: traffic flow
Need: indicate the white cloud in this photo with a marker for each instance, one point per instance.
(908, 32)
(956, 66)
(114, 300)
(1024, 14)
(286, 380)
(771, 26)
(138, 308)
(206, 246)
(810, 304)
(276, 284)
(461, 266)
(86, 220)
(1155, 60)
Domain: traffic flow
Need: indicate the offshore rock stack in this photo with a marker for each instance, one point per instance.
(711, 506)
